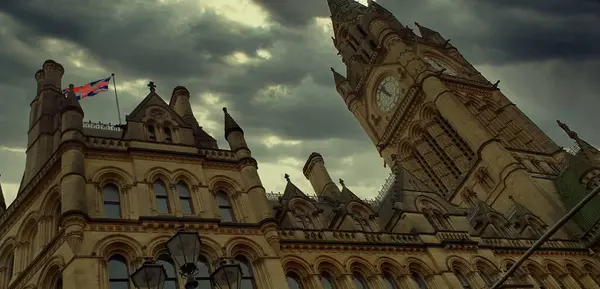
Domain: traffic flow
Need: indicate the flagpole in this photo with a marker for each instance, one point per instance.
(116, 97)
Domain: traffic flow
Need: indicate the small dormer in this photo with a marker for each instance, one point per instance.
(296, 210)
(362, 217)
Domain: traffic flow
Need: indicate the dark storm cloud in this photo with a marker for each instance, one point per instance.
(294, 13)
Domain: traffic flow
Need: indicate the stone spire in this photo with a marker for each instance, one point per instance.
(71, 102)
(291, 191)
(589, 152)
(344, 11)
(230, 124)
(2, 201)
(430, 34)
(347, 195)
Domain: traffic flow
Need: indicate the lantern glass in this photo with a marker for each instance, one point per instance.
(184, 248)
(227, 276)
(149, 276)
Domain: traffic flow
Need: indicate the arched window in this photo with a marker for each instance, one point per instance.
(488, 273)
(162, 197)
(360, 281)
(247, 274)
(389, 281)
(303, 220)
(151, 133)
(10, 265)
(118, 273)
(327, 281)
(112, 201)
(203, 275)
(225, 208)
(594, 274)
(419, 280)
(293, 280)
(185, 198)
(361, 222)
(56, 220)
(464, 281)
(171, 280)
(558, 275)
(168, 136)
(59, 284)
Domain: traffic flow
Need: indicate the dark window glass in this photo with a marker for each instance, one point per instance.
(59, 284)
(203, 275)
(359, 281)
(112, 203)
(162, 197)
(464, 282)
(388, 280)
(327, 281)
(293, 281)
(225, 208)
(247, 274)
(185, 198)
(118, 272)
(151, 133)
(421, 283)
(168, 136)
(171, 280)
(11, 264)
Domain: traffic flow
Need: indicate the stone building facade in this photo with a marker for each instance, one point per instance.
(473, 184)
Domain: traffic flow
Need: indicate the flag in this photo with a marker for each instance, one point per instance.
(90, 89)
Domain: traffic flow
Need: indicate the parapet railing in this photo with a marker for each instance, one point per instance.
(101, 126)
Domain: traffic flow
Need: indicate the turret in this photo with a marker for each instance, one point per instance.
(314, 170)
(235, 135)
(180, 102)
(43, 137)
(342, 85)
(2, 201)
(73, 200)
(248, 168)
(430, 35)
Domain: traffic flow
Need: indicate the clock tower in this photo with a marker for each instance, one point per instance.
(424, 105)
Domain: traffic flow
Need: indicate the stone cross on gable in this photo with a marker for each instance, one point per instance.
(152, 86)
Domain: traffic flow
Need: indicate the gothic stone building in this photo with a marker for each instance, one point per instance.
(473, 183)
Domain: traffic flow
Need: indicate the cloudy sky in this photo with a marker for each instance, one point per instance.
(268, 62)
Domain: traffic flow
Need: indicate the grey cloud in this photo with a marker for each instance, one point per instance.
(294, 13)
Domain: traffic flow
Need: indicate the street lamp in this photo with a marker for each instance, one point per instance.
(184, 248)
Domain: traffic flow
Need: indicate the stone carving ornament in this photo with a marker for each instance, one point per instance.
(158, 113)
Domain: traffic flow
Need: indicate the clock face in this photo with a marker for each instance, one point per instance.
(389, 93)
(439, 65)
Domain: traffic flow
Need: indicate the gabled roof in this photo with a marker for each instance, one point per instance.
(153, 99)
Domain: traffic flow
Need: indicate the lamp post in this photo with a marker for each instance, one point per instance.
(184, 248)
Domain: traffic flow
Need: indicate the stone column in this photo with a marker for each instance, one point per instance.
(129, 209)
(79, 273)
(346, 281)
(451, 280)
(376, 282)
(269, 274)
(476, 280)
(570, 282)
(588, 281)
(313, 281)
(406, 282)
(197, 204)
(550, 282)
(437, 282)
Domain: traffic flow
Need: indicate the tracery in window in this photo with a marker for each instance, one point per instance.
(185, 199)
(162, 197)
(361, 221)
(111, 201)
(303, 220)
(225, 207)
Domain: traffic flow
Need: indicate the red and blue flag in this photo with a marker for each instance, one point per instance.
(90, 89)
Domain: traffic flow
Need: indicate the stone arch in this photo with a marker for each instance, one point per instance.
(425, 202)
(51, 272)
(477, 261)
(534, 268)
(224, 183)
(428, 112)
(360, 265)
(297, 265)
(30, 221)
(405, 149)
(244, 246)
(414, 264)
(357, 207)
(301, 203)
(553, 267)
(591, 178)
(159, 173)
(383, 264)
(486, 268)
(118, 244)
(458, 263)
(6, 249)
(415, 131)
(328, 264)
(114, 174)
(210, 249)
(186, 176)
(50, 201)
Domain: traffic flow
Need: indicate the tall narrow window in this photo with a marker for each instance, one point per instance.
(168, 136)
(203, 275)
(327, 281)
(118, 272)
(10, 264)
(360, 281)
(293, 280)
(185, 198)
(362, 224)
(303, 220)
(420, 280)
(464, 282)
(55, 220)
(58, 284)
(171, 278)
(151, 133)
(247, 274)
(162, 197)
(389, 281)
(112, 202)
(225, 208)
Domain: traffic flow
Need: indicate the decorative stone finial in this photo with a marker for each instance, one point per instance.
(565, 127)
(152, 86)
(71, 86)
(225, 110)
(333, 70)
(287, 177)
(342, 183)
